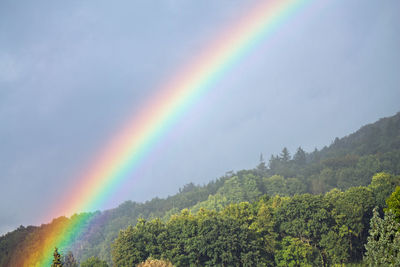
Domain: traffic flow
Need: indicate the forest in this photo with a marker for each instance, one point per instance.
(339, 205)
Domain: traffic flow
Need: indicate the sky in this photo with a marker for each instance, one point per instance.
(73, 72)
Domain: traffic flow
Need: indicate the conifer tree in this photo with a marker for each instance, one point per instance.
(285, 155)
(261, 167)
(57, 259)
(300, 156)
(383, 247)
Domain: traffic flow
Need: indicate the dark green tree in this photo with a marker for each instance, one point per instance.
(285, 155)
(274, 163)
(307, 218)
(300, 156)
(275, 185)
(135, 244)
(261, 167)
(57, 259)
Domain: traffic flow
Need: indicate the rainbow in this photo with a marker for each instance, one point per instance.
(135, 141)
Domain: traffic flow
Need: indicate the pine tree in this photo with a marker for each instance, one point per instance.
(261, 166)
(274, 163)
(285, 155)
(57, 259)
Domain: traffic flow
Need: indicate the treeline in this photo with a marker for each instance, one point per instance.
(348, 162)
(311, 230)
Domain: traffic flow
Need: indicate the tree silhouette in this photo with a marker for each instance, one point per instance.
(69, 260)
(57, 259)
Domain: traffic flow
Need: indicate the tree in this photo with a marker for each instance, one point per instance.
(295, 186)
(383, 247)
(155, 263)
(263, 226)
(69, 260)
(57, 259)
(285, 155)
(306, 217)
(383, 184)
(300, 156)
(294, 252)
(94, 262)
(135, 244)
(393, 203)
(261, 167)
(275, 185)
(273, 163)
(351, 211)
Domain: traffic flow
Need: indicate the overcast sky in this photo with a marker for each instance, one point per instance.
(72, 72)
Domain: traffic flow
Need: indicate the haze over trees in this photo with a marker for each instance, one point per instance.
(337, 205)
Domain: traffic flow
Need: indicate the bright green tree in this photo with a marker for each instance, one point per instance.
(382, 185)
(383, 247)
(155, 263)
(293, 252)
(393, 203)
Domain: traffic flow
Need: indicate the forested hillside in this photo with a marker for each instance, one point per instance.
(310, 207)
(315, 230)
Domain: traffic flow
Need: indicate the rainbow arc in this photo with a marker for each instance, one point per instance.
(135, 141)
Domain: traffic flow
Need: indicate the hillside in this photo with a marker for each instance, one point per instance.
(379, 137)
(348, 162)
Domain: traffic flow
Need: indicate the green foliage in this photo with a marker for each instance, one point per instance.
(206, 239)
(335, 225)
(11, 242)
(383, 247)
(285, 155)
(294, 252)
(242, 187)
(303, 230)
(381, 136)
(382, 185)
(275, 184)
(136, 244)
(94, 262)
(351, 211)
(155, 263)
(304, 216)
(262, 167)
(300, 158)
(393, 204)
